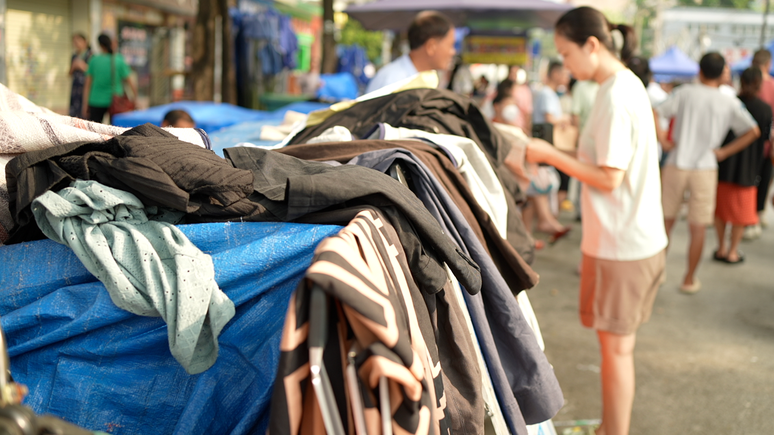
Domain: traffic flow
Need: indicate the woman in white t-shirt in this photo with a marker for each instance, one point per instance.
(623, 232)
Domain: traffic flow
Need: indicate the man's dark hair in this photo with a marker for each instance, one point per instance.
(711, 65)
(553, 66)
(761, 57)
(177, 115)
(427, 25)
(641, 68)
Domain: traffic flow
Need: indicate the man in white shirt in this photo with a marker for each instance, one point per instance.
(431, 41)
(703, 115)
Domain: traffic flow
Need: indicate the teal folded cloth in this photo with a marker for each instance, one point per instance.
(148, 265)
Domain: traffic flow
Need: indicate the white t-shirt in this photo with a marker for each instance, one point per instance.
(395, 71)
(628, 223)
(703, 115)
(583, 95)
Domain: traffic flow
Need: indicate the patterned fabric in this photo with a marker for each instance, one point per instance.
(373, 312)
(147, 265)
(26, 127)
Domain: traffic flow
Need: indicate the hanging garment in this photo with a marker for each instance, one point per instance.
(517, 273)
(373, 316)
(526, 385)
(148, 266)
(435, 111)
(288, 43)
(471, 163)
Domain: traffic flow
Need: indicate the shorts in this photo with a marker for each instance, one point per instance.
(701, 184)
(618, 296)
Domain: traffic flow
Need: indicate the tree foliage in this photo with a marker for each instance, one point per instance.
(353, 33)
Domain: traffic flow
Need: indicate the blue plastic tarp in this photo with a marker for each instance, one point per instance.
(251, 131)
(102, 368)
(674, 63)
(209, 116)
(338, 87)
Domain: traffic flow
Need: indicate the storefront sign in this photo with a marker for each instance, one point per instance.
(505, 50)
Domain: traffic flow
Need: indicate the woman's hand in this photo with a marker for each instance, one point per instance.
(80, 65)
(539, 151)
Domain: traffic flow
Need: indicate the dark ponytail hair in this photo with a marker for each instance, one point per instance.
(105, 43)
(579, 24)
(751, 80)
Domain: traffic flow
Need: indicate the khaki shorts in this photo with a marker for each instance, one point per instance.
(702, 187)
(618, 296)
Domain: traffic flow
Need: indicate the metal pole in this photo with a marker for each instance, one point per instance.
(763, 28)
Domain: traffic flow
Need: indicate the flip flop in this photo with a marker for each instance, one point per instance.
(717, 257)
(740, 254)
(539, 244)
(558, 235)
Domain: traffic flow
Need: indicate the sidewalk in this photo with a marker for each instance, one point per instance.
(704, 363)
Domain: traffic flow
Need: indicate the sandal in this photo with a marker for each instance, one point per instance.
(558, 235)
(719, 258)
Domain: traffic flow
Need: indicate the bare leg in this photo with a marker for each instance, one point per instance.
(720, 229)
(698, 233)
(546, 220)
(617, 373)
(668, 224)
(561, 196)
(737, 231)
(528, 214)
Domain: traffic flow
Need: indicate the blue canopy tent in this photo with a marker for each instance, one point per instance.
(673, 65)
(210, 116)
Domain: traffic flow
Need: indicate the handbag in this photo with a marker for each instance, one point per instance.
(119, 103)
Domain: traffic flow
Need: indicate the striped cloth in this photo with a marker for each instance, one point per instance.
(26, 127)
(371, 311)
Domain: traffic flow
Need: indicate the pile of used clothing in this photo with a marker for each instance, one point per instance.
(164, 302)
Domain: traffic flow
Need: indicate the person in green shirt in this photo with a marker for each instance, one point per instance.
(104, 80)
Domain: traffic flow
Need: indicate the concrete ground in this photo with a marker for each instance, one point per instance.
(704, 363)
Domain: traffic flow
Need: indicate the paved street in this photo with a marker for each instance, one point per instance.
(704, 362)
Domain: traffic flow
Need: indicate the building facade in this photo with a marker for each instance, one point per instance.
(732, 32)
(36, 44)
